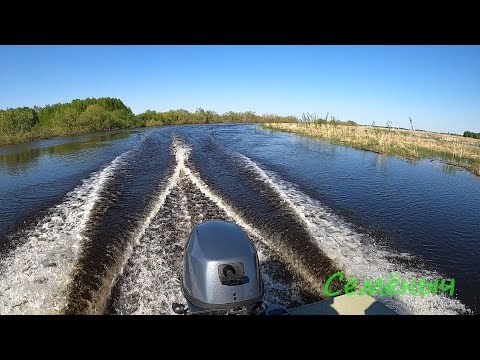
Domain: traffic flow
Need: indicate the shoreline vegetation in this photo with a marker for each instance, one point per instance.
(103, 114)
(461, 151)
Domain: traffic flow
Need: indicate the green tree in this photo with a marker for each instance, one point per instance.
(17, 120)
(95, 118)
(471, 134)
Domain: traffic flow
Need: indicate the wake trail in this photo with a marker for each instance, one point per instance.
(151, 278)
(355, 253)
(34, 276)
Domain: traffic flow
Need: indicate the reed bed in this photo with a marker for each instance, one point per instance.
(452, 149)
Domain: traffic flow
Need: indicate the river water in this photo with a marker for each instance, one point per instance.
(95, 224)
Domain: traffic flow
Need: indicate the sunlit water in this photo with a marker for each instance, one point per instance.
(97, 223)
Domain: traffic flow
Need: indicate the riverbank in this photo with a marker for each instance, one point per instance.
(455, 150)
(44, 134)
(93, 115)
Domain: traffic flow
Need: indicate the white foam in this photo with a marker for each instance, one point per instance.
(181, 154)
(152, 282)
(153, 296)
(151, 285)
(35, 275)
(355, 253)
(282, 251)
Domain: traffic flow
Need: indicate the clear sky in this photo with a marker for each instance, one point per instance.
(437, 86)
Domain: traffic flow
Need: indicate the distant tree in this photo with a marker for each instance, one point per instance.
(97, 114)
(205, 117)
(64, 119)
(17, 120)
(471, 134)
(95, 118)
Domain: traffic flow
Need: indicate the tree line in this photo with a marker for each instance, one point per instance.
(102, 114)
(201, 116)
(471, 134)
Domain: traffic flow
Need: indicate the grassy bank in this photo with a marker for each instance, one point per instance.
(455, 150)
(104, 114)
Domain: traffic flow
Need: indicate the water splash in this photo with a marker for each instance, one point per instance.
(150, 277)
(35, 275)
(356, 254)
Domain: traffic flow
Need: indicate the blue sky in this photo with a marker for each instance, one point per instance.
(437, 86)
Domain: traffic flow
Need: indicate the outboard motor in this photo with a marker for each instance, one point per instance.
(221, 272)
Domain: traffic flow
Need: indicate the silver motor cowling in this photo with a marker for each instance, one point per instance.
(221, 272)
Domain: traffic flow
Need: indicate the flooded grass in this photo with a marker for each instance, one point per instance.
(454, 150)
